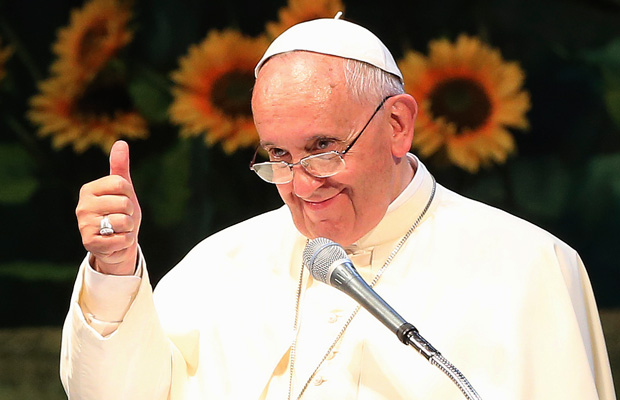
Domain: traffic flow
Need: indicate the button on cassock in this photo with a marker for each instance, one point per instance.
(318, 380)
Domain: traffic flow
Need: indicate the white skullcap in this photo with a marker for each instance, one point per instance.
(335, 37)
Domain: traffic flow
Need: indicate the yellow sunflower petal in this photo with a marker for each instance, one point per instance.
(512, 111)
(303, 10)
(5, 53)
(213, 86)
(95, 34)
(56, 110)
(468, 97)
(463, 156)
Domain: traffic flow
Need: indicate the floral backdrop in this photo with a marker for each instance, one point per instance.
(519, 108)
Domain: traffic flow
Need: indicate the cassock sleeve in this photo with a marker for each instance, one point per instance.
(586, 311)
(134, 359)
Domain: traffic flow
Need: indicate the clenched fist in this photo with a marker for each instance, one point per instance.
(114, 196)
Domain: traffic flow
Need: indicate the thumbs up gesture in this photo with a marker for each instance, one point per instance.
(112, 196)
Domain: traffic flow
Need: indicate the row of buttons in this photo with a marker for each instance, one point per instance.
(332, 318)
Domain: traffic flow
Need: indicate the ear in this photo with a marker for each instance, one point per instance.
(403, 112)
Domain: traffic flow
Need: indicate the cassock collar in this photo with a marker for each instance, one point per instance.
(401, 213)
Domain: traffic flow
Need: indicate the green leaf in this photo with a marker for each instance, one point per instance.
(600, 197)
(607, 59)
(163, 184)
(541, 186)
(612, 101)
(149, 97)
(606, 56)
(39, 271)
(488, 187)
(17, 180)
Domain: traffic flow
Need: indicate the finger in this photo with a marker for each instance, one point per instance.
(89, 213)
(104, 247)
(90, 230)
(121, 223)
(110, 204)
(119, 160)
(111, 184)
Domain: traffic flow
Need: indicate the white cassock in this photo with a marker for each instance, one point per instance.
(507, 303)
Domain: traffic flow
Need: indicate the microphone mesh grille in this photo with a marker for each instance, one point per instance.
(319, 255)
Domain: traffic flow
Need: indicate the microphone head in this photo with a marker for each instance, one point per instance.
(320, 254)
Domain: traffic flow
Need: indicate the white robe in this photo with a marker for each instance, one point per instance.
(507, 303)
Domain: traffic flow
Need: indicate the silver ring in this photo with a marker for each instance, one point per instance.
(105, 227)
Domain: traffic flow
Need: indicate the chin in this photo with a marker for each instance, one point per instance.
(338, 231)
(341, 238)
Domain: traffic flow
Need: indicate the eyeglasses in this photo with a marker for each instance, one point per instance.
(322, 165)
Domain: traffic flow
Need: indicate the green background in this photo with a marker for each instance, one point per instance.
(565, 176)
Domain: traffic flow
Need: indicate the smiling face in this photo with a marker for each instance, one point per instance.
(302, 106)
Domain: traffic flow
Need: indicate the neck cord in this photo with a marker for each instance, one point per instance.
(348, 321)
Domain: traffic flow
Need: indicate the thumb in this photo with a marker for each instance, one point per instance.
(119, 160)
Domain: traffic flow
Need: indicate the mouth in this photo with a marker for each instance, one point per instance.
(322, 204)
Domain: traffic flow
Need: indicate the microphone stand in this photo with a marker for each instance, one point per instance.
(410, 335)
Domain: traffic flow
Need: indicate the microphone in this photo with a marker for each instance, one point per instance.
(328, 263)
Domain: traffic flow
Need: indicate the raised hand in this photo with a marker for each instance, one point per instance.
(112, 196)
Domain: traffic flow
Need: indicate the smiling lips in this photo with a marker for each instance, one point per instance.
(320, 205)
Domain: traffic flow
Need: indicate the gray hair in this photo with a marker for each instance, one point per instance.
(368, 83)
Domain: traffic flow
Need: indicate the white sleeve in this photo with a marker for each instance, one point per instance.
(105, 299)
(587, 316)
(136, 361)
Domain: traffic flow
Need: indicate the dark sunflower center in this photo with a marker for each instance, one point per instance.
(462, 102)
(232, 93)
(105, 96)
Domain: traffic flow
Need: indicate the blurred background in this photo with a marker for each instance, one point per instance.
(519, 108)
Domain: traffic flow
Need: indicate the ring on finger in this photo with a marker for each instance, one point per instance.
(105, 227)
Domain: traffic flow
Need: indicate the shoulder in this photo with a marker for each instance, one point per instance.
(258, 230)
(239, 245)
(487, 241)
(485, 232)
(487, 222)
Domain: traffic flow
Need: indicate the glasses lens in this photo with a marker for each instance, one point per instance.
(273, 172)
(323, 165)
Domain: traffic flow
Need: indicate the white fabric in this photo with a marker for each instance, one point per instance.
(412, 187)
(335, 37)
(106, 299)
(509, 304)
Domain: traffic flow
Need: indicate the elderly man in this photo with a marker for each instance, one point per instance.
(240, 317)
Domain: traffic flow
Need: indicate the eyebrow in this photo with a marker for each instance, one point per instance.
(309, 142)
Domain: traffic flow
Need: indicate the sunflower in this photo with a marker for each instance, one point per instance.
(95, 35)
(469, 97)
(85, 101)
(5, 53)
(213, 89)
(303, 10)
(96, 114)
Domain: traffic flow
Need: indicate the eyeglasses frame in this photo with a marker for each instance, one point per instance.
(340, 153)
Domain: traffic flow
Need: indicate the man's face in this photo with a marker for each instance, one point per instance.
(301, 107)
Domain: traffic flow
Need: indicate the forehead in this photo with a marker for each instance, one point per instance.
(305, 92)
(299, 77)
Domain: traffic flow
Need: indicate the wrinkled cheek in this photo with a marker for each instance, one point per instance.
(296, 209)
(286, 194)
(335, 223)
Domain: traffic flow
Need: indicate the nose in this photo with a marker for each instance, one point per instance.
(304, 184)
